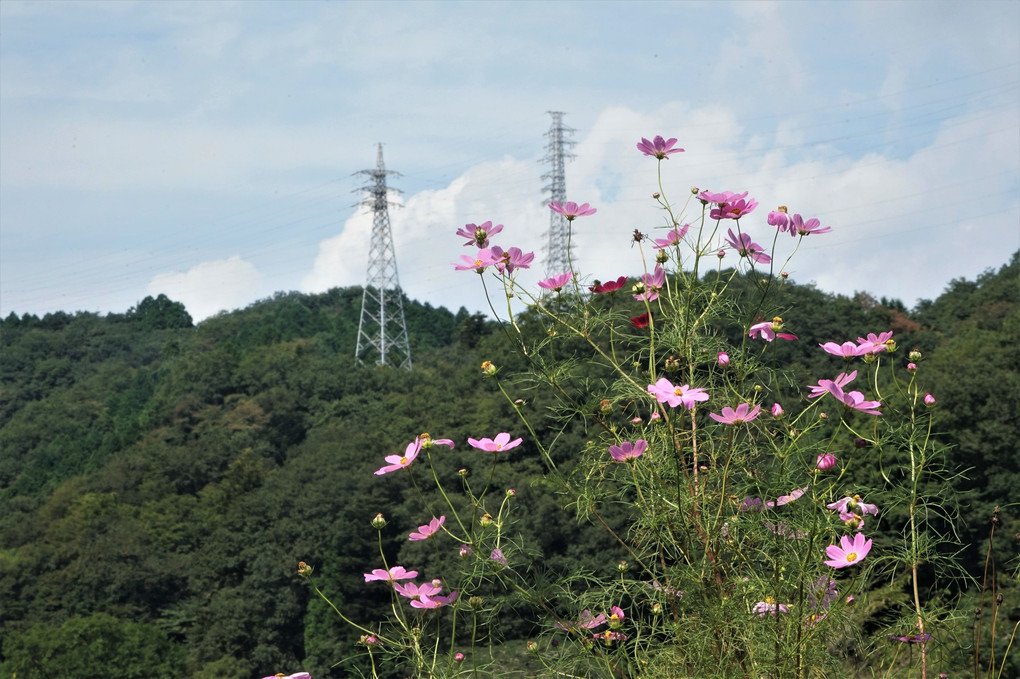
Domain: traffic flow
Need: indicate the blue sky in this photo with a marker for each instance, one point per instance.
(206, 149)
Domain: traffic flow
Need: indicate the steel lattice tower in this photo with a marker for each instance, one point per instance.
(557, 258)
(382, 330)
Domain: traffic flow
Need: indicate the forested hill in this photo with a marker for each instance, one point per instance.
(159, 481)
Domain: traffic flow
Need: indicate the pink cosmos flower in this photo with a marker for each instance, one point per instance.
(647, 288)
(734, 209)
(616, 617)
(853, 521)
(798, 225)
(721, 198)
(609, 636)
(434, 601)
(792, 497)
(768, 331)
(911, 639)
(929, 400)
(672, 238)
(849, 552)
(769, 607)
(846, 350)
(779, 219)
(296, 675)
(428, 530)
(777, 411)
(571, 210)
(627, 450)
(743, 413)
(497, 556)
(413, 591)
(659, 148)
(825, 462)
(508, 260)
(395, 573)
(746, 248)
(556, 283)
(500, 443)
(665, 391)
(478, 235)
(609, 286)
(854, 400)
(587, 621)
(479, 262)
(854, 503)
(823, 385)
(427, 442)
(398, 462)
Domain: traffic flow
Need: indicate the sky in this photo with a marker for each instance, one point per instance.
(209, 150)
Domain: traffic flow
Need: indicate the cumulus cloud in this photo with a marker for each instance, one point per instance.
(210, 287)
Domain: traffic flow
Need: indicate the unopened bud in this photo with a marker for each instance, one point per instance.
(784, 275)
(489, 369)
(655, 195)
(777, 410)
(825, 462)
(532, 647)
(622, 566)
(465, 551)
(781, 208)
(861, 443)
(605, 406)
(511, 492)
(379, 522)
(777, 323)
(368, 640)
(661, 257)
(911, 367)
(519, 402)
(462, 472)
(822, 416)
(695, 190)
(890, 346)
(672, 365)
(656, 608)
(929, 400)
(870, 358)
(720, 254)
(303, 569)
(475, 602)
(458, 657)
(486, 520)
(722, 359)
(915, 355)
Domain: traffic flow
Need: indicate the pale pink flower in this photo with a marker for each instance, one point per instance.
(296, 675)
(798, 225)
(428, 530)
(609, 636)
(852, 520)
(721, 198)
(647, 288)
(768, 332)
(434, 600)
(397, 462)
(849, 504)
(500, 443)
(556, 283)
(572, 210)
(777, 411)
(854, 400)
(413, 591)
(479, 262)
(616, 616)
(395, 573)
(823, 385)
(743, 413)
(508, 260)
(428, 442)
(627, 450)
(479, 234)
(929, 400)
(792, 497)
(849, 552)
(743, 244)
(659, 148)
(846, 349)
(780, 220)
(734, 210)
(672, 238)
(497, 556)
(722, 359)
(665, 391)
(465, 551)
(769, 607)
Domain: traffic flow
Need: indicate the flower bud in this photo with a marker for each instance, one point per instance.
(722, 359)
(655, 195)
(368, 640)
(695, 190)
(489, 369)
(656, 608)
(784, 275)
(781, 208)
(911, 367)
(518, 402)
(303, 569)
(822, 416)
(465, 551)
(661, 257)
(486, 520)
(777, 410)
(672, 365)
(720, 254)
(825, 462)
(654, 416)
(850, 600)
(622, 566)
(870, 358)
(532, 647)
(605, 406)
(929, 400)
(462, 472)
(475, 602)
(777, 323)
(379, 522)
(458, 657)
(890, 346)
(861, 443)
(511, 492)
(914, 355)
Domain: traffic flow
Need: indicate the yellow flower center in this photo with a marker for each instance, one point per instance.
(478, 262)
(403, 461)
(679, 391)
(851, 557)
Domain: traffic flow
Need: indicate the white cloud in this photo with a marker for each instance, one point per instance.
(211, 287)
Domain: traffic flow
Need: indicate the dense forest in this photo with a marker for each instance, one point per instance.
(160, 481)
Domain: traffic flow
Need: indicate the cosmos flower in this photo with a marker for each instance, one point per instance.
(479, 234)
(647, 288)
(822, 387)
(769, 607)
(910, 638)
(853, 504)
(846, 350)
(672, 238)
(641, 321)
(428, 530)
(659, 148)
(395, 573)
(768, 331)
(497, 556)
(627, 450)
(734, 209)
(508, 260)
(500, 443)
(556, 283)
(743, 413)
(479, 262)
(802, 227)
(854, 400)
(787, 499)
(721, 198)
(572, 210)
(665, 391)
(848, 552)
(609, 286)
(743, 244)
(397, 462)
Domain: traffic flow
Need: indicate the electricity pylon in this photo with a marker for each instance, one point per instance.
(382, 330)
(557, 259)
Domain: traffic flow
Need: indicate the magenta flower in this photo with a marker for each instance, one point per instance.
(413, 591)
(911, 638)
(395, 573)
(876, 343)
(734, 209)
(929, 400)
(792, 497)
(609, 286)
(825, 462)
(434, 601)
(780, 220)
(823, 385)
(616, 617)
(854, 400)
(508, 260)
(642, 321)
(556, 283)
(571, 210)
(665, 391)
(846, 350)
(805, 228)
(672, 238)
(627, 450)
(777, 411)
(722, 198)
(497, 556)
(746, 248)
(397, 462)
(647, 288)
(500, 443)
(854, 503)
(659, 148)
(769, 330)
(478, 235)
(743, 413)
(427, 442)
(483, 259)
(849, 552)
(769, 607)
(428, 530)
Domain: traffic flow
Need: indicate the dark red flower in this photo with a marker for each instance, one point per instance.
(608, 286)
(641, 321)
